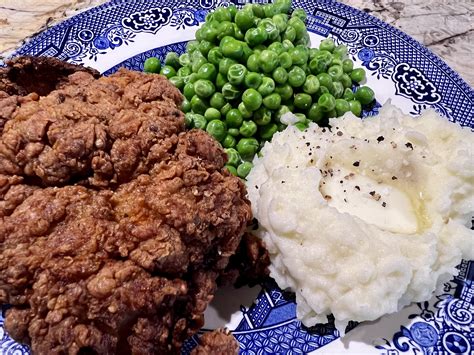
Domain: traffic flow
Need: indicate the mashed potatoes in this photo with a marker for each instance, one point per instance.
(367, 217)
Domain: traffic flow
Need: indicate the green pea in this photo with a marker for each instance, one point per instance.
(230, 91)
(342, 106)
(272, 31)
(280, 112)
(296, 77)
(341, 51)
(290, 33)
(191, 46)
(152, 65)
(225, 109)
(268, 61)
(327, 102)
(327, 45)
(348, 95)
(325, 80)
(188, 120)
(236, 74)
(212, 114)
(280, 75)
(207, 33)
(185, 60)
(317, 66)
(255, 36)
(247, 52)
(231, 169)
(364, 95)
(225, 64)
(233, 11)
(198, 105)
(220, 81)
(272, 101)
(188, 91)
(222, 14)
(253, 80)
(298, 55)
(336, 61)
(311, 85)
(315, 113)
(247, 147)
(262, 116)
(337, 90)
(270, 10)
(205, 47)
(287, 44)
(347, 65)
(234, 132)
(234, 118)
(217, 129)
(267, 86)
(299, 13)
(233, 156)
(252, 99)
(192, 78)
(199, 121)
(346, 81)
(215, 56)
(276, 47)
(204, 88)
(217, 100)
(266, 132)
(184, 71)
(232, 49)
(244, 19)
(325, 56)
(298, 25)
(285, 91)
(197, 60)
(238, 33)
(229, 141)
(207, 72)
(257, 10)
(335, 72)
(225, 40)
(253, 63)
(303, 101)
(280, 21)
(258, 49)
(246, 113)
(285, 60)
(248, 129)
(358, 75)
(186, 105)
(323, 90)
(168, 71)
(177, 81)
(283, 6)
(302, 126)
(244, 169)
(356, 107)
(312, 53)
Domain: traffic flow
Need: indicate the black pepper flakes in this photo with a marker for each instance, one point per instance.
(308, 144)
(409, 145)
(380, 139)
(339, 133)
(384, 204)
(282, 181)
(356, 163)
(357, 188)
(394, 178)
(311, 161)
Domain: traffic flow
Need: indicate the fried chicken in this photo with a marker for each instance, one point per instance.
(115, 223)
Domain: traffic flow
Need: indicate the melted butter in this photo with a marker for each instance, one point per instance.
(386, 206)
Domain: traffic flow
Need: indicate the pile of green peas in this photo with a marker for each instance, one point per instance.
(248, 67)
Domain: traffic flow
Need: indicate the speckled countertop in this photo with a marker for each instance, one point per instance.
(444, 26)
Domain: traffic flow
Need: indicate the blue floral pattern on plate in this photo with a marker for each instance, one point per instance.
(123, 33)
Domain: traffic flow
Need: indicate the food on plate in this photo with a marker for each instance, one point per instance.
(248, 67)
(216, 342)
(115, 222)
(368, 216)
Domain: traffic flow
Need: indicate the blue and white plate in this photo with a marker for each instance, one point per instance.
(123, 33)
